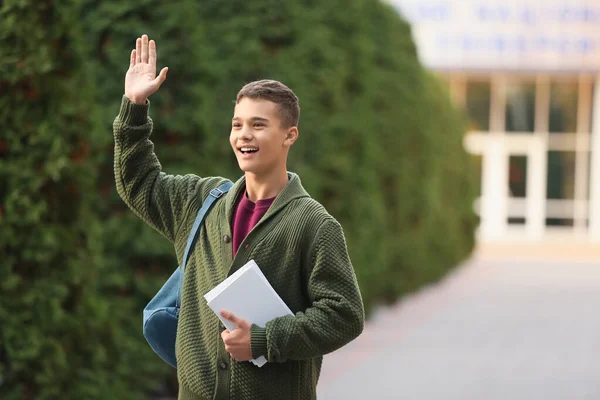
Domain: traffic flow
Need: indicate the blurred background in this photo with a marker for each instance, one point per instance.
(452, 139)
(525, 74)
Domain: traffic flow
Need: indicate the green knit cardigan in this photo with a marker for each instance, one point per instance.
(299, 247)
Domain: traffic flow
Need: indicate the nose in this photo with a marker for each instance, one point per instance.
(246, 133)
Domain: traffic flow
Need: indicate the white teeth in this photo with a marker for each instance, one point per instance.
(248, 149)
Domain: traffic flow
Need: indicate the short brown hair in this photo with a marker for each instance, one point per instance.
(278, 93)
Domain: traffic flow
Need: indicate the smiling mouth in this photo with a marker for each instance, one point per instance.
(248, 150)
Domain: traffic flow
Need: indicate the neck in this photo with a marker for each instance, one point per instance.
(260, 187)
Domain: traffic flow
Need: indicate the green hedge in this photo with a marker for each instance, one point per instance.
(67, 330)
(380, 146)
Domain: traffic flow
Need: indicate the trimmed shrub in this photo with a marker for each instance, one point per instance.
(63, 322)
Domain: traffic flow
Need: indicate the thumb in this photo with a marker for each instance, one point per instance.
(228, 315)
(161, 77)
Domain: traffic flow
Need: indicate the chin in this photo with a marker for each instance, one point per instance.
(252, 169)
(246, 168)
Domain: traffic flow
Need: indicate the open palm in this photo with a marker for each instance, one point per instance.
(141, 80)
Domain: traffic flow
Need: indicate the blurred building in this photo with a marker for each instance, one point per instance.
(526, 73)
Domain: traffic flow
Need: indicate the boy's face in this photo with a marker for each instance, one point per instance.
(258, 139)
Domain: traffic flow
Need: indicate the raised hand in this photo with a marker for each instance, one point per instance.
(141, 80)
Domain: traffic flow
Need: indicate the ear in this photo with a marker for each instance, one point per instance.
(291, 136)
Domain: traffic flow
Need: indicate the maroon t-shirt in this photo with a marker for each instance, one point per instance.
(246, 216)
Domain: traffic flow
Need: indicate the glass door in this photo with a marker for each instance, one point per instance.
(526, 185)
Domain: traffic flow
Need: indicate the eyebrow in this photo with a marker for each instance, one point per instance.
(252, 119)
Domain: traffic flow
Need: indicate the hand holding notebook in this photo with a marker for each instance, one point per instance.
(247, 294)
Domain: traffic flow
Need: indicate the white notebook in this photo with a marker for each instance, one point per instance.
(247, 294)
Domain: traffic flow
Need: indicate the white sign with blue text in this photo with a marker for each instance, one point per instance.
(505, 35)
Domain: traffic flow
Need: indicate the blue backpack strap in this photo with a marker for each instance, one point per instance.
(214, 194)
(210, 200)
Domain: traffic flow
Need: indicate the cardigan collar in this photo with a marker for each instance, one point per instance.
(293, 190)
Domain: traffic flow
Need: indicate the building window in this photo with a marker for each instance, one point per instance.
(560, 188)
(563, 107)
(478, 105)
(520, 107)
(561, 175)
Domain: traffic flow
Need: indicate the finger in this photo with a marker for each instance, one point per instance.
(138, 50)
(144, 48)
(152, 53)
(132, 59)
(160, 78)
(229, 315)
(224, 335)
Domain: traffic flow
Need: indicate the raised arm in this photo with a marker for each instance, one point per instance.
(159, 199)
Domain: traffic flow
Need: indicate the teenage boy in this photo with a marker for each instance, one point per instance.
(266, 216)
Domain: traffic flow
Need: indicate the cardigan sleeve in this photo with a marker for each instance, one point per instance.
(159, 199)
(336, 315)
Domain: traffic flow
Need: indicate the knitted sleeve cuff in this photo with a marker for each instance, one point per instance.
(258, 341)
(133, 114)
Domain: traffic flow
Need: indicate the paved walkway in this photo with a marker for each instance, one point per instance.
(494, 329)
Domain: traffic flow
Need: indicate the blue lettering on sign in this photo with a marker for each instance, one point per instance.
(529, 15)
(487, 11)
(467, 43)
(499, 13)
(434, 12)
(585, 45)
(566, 14)
(439, 11)
(521, 44)
(559, 32)
(499, 44)
(576, 14)
(516, 44)
(592, 15)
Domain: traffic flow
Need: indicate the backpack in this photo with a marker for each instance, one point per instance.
(161, 315)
